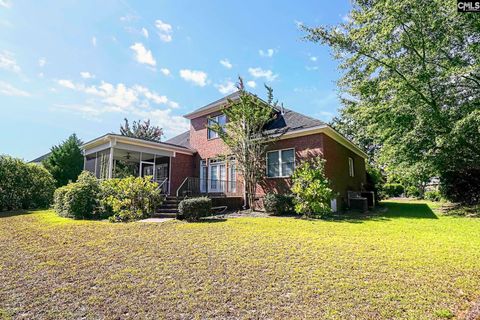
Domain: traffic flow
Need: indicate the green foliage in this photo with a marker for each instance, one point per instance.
(129, 199)
(444, 314)
(411, 84)
(23, 185)
(393, 189)
(433, 195)
(375, 181)
(278, 203)
(312, 188)
(142, 130)
(461, 185)
(245, 136)
(79, 199)
(65, 161)
(412, 192)
(192, 209)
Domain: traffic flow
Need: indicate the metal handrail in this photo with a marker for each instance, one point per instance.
(181, 185)
(199, 186)
(160, 184)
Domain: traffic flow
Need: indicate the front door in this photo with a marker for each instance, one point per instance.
(146, 168)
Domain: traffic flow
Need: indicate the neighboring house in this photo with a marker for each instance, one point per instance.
(40, 159)
(198, 162)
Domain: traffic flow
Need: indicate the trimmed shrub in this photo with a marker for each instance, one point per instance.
(312, 188)
(393, 189)
(23, 185)
(78, 200)
(433, 195)
(412, 192)
(193, 209)
(278, 203)
(129, 199)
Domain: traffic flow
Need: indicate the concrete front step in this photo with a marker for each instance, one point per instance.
(164, 215)
(167, 210)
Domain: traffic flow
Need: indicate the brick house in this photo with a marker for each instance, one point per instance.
(198, 162)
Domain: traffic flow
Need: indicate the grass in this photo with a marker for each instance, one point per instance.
(409, 263)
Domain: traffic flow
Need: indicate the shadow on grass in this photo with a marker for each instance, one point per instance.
(391, 210)
(7, 214)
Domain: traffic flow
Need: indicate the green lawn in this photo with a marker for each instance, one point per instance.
(409, 263)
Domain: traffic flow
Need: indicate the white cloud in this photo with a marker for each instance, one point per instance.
(164, 30)
(267, 53)
(226, 88)
(226, 63)
(313, 58)
(137, 101)
(94, 41)
(199, 78)
(165, 71)
(314, 68)
(5, 3)
(142, 55)
(251, 84)
(66, 83)
(9, 90)
(42, 62)
(128, 18)
(87, 75)
(260, 73)
(8, 62)
(145, 32)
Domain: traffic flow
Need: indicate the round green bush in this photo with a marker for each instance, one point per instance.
(433, 195)
(278, 203)
(192, 209)
(393, 189)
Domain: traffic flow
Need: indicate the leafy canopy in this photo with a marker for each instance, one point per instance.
(142, 130)
(65, 161)
(411, 82)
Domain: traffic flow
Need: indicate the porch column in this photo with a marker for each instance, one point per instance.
(110, 164)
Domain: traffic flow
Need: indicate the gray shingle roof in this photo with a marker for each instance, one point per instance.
(183, 140)
(291, 121)
(41, 158)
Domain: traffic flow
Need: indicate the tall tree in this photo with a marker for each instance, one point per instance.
(141, 129)
(65, 161)
(245, 136)
(411, 80)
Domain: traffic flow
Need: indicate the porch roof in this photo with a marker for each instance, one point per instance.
(111, 140)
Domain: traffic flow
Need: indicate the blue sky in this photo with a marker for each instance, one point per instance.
(83, 66)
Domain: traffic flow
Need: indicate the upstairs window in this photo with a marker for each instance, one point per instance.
(351, 167)
(280, 163)
(221, 119)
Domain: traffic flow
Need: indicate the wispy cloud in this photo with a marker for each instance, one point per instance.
(145, 32)
(136, 100)
(226, 63)
(165, 71)
(87, 75)
(143, 55)
(313, 58)
(267, 53)
(164, 30)
(9, 90)
(5, 3)
(128, 18)
(198, 78)
(8, 62)
(42, 62)
(66, 83)
(251, 84)
(268, 75)
(226, 88)
(94, 41)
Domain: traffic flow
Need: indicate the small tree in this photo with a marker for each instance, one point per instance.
(311, 188)
(244, 134)
(65, 161)
(141, 129)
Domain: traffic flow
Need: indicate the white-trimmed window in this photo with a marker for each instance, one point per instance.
(351, 167)
(280, 163)
(221, 119)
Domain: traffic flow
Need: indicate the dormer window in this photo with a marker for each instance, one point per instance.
(221, 119)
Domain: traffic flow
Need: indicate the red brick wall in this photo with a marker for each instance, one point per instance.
(199, 140)
(336, 169)
(182, 166)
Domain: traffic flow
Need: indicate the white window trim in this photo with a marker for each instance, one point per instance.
(216, 119)
(351, 167)
(279, 162)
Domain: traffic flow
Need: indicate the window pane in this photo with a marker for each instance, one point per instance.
(288, 162)
(273, 162)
